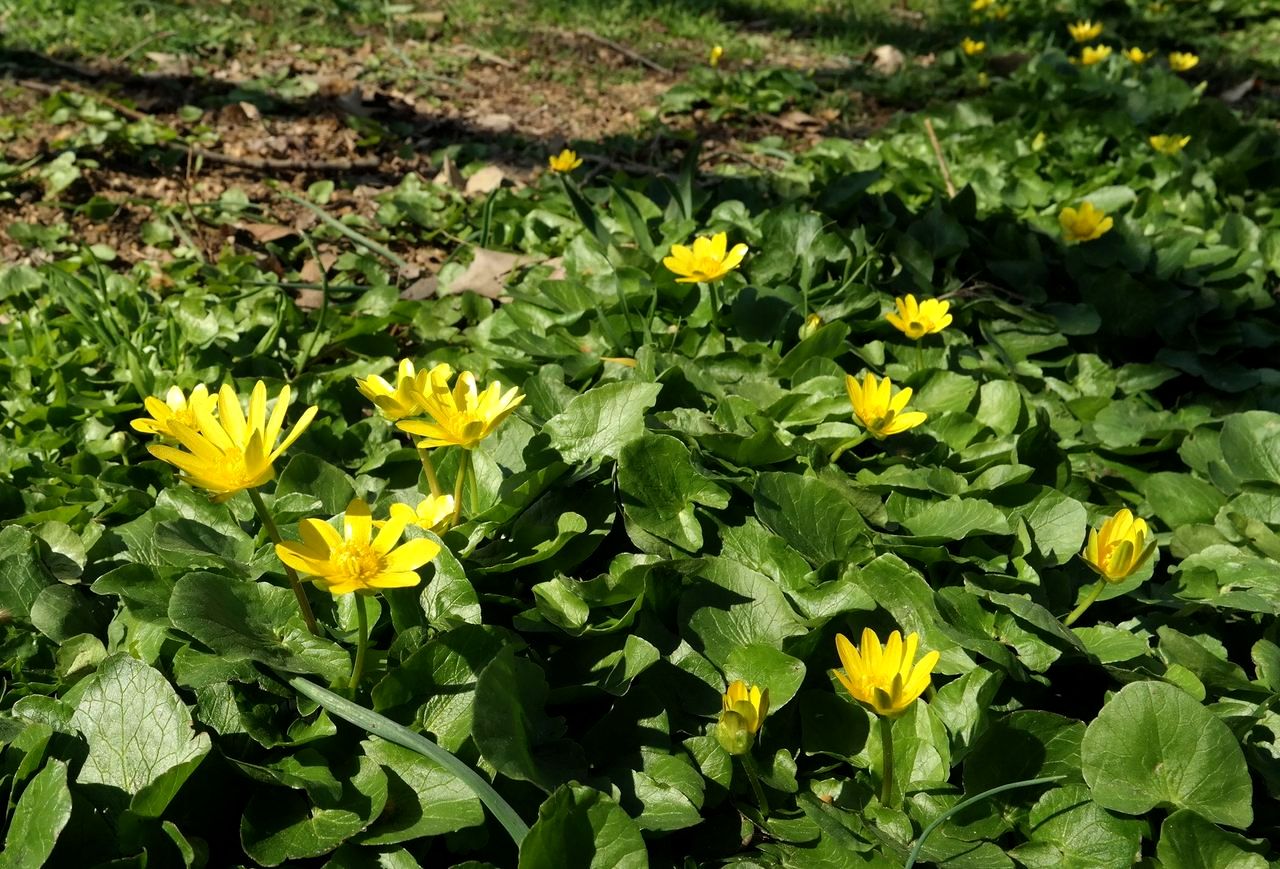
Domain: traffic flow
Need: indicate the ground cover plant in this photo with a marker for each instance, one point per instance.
(856, 444)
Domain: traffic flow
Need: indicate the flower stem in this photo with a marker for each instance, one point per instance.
(362, 646)
(847, 445)
(298, 591)
(919, 357)
(886, 749)
(430, 470)
(464, 467)
(754, 777)
(1085, 604)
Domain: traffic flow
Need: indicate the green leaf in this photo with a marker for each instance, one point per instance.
(585, 829)
(956, 519)
(1152, 745)
(279, 826)
(423, 798)
(1067, 829)
(449, 599)
(42, 811)
(1188, 841)
(769, 668)
(514, 733)
(1181, 499)
(903, 592)
(730, 606)
(599, 423)
(1251, 445)
(137, 728)
(660, 487)
(23, 576)
(1024, 745)
(252, 621)
(1058, 524)
(315, 478)
(812, 516)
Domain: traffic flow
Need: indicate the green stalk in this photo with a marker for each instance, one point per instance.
(964, 804)
(294, 582)
(886, 749)
(389, 730)
(429, 469)
(919, 357)
(754, 777)
(1085, 604)
(464, 466)
(362, 646)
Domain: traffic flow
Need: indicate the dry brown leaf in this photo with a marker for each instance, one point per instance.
(309, 300)
(797, 120)
(265, 232)
(887, 60)
(487, 273)
(496, 122)
(485, 181)
(423, 288)
(1236, 94)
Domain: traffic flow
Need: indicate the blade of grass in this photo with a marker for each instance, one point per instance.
(389, 730)
(337, 225)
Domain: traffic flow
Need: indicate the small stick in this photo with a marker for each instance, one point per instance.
(163, 34)
(625, 52)
(942, 161)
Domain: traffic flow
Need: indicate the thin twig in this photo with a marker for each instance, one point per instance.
(466, 48)
(260, 163)
(942, 161)
(624, 51)
(163, 34)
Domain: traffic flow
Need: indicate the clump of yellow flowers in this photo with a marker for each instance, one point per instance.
(1114, 552)
(917, 319)
(401, 400)
(708, 259)
(886, 679)
(743, 709)
(225, 452)
(1169, 145)
(1085, 223)
(972, 47)
(878, 409)
(357, 561)
(1084, 31)
(564, 162)
(1091, 54)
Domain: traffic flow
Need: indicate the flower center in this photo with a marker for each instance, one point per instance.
(359, 562)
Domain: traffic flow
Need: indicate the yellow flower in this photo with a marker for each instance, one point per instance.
(1091, 54)
(1137, 55)
(1170, 145)
(879, 412)
(397, 402)
(230, 453)
(1038, 143)
(1084, 224)
(811, 325)
(979, 5)
(356, 560)
(1083, 31)
(1181, 61)
(565, 161)
(463, 416)
(884, 679)
(706, 261)
(431, 513)
(972, 47)
(915, 320)
(1119, 547)
(176, 407)
(999, 13)
(717, 52)
(743, 711)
